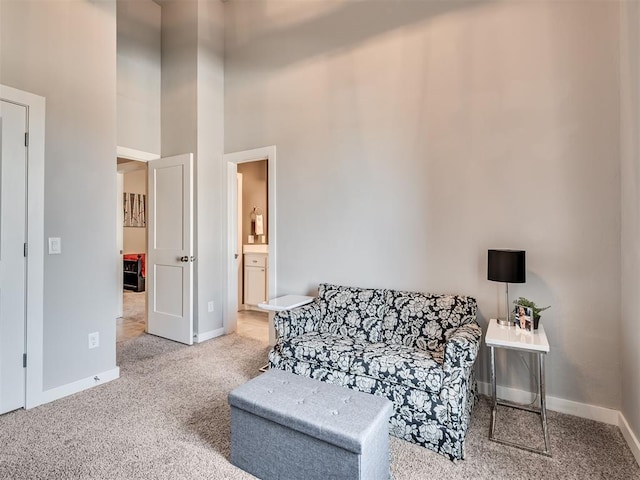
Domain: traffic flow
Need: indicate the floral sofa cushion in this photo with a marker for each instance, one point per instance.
(351, 312)
(395, 364)
(427, 405)
(423, 320)
(325, 349)
(399, 365)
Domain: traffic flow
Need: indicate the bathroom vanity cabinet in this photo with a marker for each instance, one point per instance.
(256, 275)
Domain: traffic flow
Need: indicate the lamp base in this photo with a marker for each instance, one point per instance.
(505, 322)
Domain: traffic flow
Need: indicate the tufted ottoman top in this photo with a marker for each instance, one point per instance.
(333, 414)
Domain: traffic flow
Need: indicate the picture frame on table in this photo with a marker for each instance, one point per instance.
(523, 316)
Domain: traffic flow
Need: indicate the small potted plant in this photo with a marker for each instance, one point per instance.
(532, 305)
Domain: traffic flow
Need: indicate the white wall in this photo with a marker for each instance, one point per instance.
(179, 89)
(413, 136)
(66, 52)
(179, 92)
(135, 238)
(630, 161)
(138, 86)
(192, 121)
(211, 170)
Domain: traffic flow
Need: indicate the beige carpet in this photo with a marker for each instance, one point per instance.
(167, 418)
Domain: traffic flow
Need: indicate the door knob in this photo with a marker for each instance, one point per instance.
(184, 259)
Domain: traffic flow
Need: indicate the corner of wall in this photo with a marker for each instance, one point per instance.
(630, 437)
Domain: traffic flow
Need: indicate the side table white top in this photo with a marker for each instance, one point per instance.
(516, 338)
(287, 302)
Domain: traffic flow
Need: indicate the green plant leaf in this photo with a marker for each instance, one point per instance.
(531, 304)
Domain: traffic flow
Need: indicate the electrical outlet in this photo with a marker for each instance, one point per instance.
(210, 306)
(94, 340)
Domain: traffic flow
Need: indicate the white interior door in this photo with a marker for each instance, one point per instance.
(120, 240)
(13, 234)
(170, 252)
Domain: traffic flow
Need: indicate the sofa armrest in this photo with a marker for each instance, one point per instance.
(461, 349)
(460, 353)
(297, 321)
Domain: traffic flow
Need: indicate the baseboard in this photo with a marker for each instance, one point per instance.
(252, 308)
(79, 385)
(630, 437)
(203, 337)
(583, 410)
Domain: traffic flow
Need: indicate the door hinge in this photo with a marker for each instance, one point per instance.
(24, 360)
(26, 139)
(25, 250)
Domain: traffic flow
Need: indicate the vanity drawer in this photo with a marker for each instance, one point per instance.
(255, 260)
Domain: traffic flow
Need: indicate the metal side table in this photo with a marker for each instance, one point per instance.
(511, 337)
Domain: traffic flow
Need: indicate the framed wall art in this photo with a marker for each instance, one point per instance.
(135, 210)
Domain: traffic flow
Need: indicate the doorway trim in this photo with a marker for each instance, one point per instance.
(35, 105)
(233, 159)
(137, 155)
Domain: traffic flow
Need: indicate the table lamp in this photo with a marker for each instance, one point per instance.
(506, 266)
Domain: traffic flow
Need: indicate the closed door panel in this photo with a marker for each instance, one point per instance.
(13, 169)
(169, 226)
(168, 289)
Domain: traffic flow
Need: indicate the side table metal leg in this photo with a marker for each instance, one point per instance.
(494, 395)
(543, 405)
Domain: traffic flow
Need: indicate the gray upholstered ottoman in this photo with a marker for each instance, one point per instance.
(285, 426)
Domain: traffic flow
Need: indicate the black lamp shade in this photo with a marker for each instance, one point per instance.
(506, 266)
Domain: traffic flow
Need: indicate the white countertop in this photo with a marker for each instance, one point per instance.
(255, 248)
(516, 338)
(287, 302)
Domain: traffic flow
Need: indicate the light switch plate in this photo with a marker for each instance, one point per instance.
(55, 246)
(94, 339)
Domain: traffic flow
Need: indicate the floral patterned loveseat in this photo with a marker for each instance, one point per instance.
(416, 349)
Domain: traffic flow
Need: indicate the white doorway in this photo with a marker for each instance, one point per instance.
(22, 120)
(234, 254)
(169, 233)
(132, 247)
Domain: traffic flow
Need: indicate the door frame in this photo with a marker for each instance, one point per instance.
(238, 230)
(232, 160)
(35, 105)
(137, 155)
